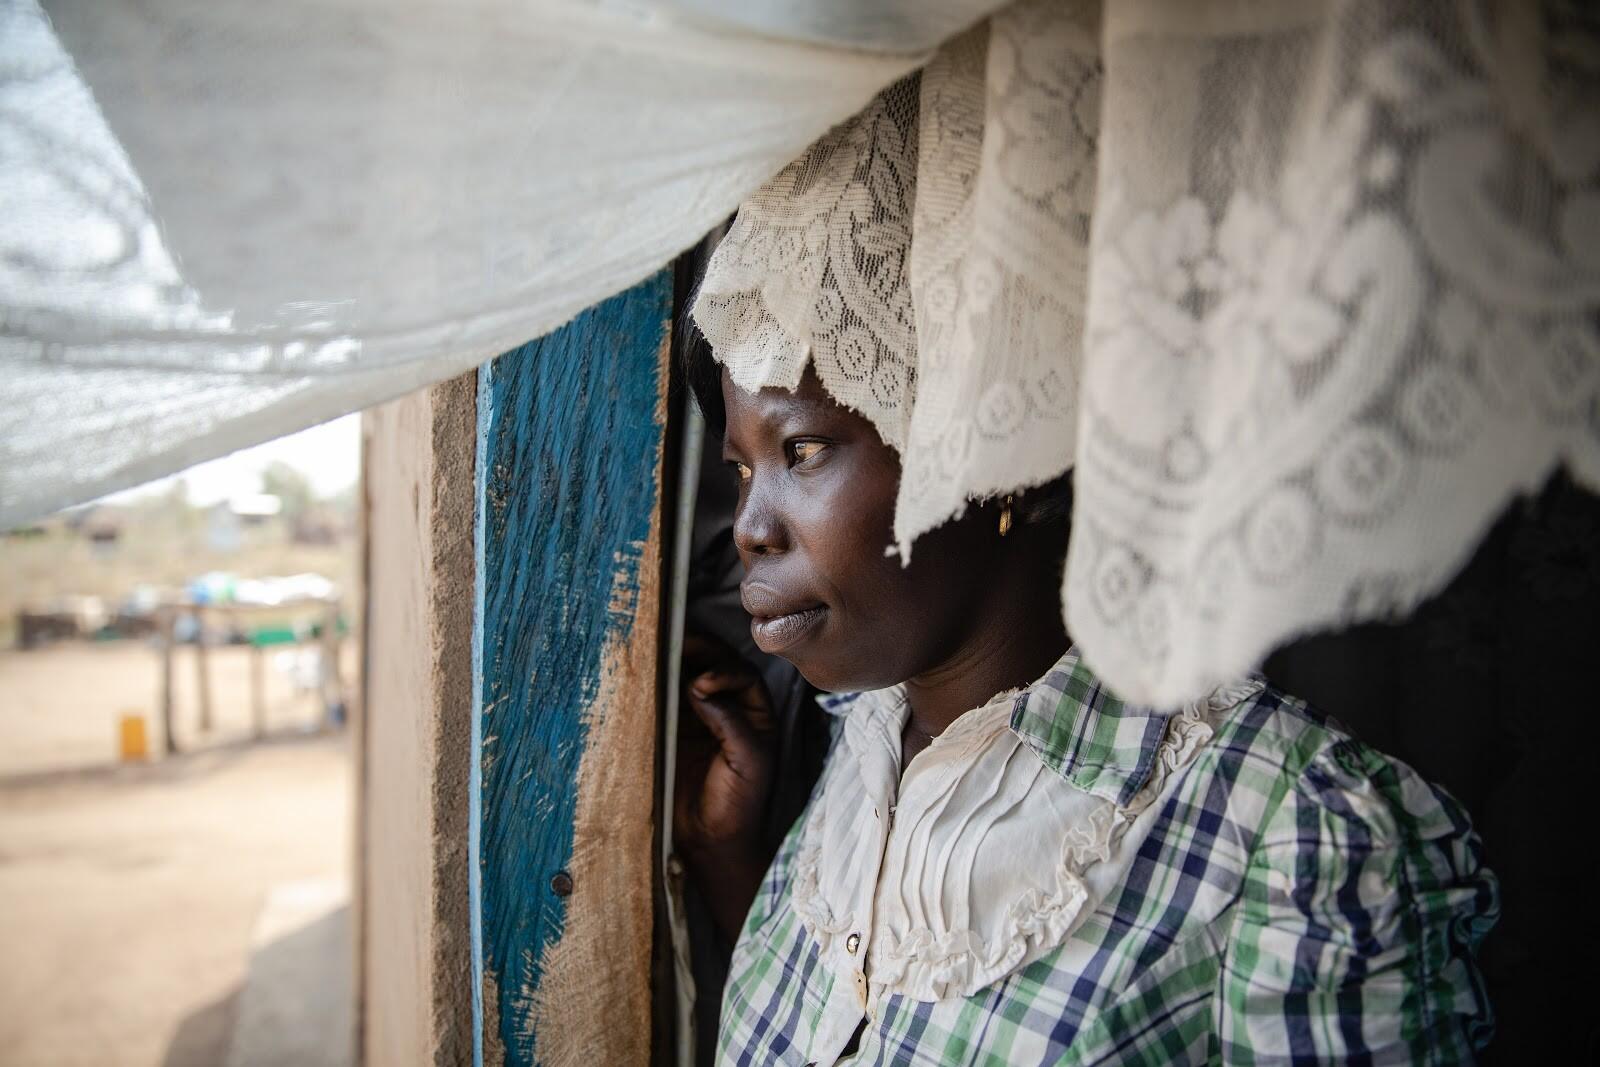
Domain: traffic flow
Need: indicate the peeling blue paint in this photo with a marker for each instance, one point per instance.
(569, 440)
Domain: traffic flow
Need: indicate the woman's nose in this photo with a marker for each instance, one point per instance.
(758, 526)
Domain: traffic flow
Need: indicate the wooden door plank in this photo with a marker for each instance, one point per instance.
(569, 568)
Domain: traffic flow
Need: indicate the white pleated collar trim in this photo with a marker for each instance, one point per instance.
(954, 940)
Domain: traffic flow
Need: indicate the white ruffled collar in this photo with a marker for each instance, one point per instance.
(1058, 771)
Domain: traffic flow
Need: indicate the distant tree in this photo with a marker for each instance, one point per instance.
(175, 506)
(344, 502)
(177, 494)
(290, 486)
(160, 513)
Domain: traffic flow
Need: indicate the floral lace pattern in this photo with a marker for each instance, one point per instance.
(1307, 394)
(816, 270)
(1006, 182)
(1304, 297)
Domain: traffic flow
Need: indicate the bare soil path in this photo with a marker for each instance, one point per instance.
(129, 895)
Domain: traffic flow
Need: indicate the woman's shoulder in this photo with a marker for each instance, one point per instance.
(1356, 862)
(1277, 756)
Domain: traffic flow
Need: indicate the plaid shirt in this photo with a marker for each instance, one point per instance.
(1296, 897)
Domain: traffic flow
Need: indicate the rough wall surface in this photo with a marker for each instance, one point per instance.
(573, 434)
(415, 736)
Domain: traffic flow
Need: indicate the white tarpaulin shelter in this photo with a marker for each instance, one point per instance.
(1305, 291)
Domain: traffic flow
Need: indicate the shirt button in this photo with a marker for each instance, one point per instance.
(852, 943)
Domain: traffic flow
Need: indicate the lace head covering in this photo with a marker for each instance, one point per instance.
(946, 310)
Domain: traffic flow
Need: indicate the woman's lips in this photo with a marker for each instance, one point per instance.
(779, 619)
(775, 633)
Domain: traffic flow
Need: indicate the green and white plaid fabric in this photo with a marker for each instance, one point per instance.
(1300, 898)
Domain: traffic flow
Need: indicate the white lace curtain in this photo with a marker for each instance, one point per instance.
(1304, 293)
(1304, 290)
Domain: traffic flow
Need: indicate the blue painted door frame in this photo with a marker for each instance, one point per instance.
(570, 440)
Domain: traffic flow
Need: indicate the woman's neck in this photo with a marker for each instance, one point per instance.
(1018, 636)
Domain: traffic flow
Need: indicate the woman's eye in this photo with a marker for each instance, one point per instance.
(804, 450)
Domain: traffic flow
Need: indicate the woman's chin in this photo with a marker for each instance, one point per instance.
(832, 676)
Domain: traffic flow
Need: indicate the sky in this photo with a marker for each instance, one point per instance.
(329, 455)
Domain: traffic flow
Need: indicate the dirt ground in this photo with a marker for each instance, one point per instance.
(129, 894)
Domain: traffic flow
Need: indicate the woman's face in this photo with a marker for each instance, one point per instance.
(816, 505)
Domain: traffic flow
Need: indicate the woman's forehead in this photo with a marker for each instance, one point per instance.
(774, 403)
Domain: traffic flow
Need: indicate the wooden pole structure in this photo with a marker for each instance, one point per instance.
(332, 687)
(202, 668)
(169, 740)
(258, 691)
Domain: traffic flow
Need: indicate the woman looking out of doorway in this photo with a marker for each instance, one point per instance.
(1004, 863)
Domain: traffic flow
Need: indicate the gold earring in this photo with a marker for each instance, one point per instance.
(1005, 516)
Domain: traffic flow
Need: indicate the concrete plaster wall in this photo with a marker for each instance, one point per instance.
(415, 966)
